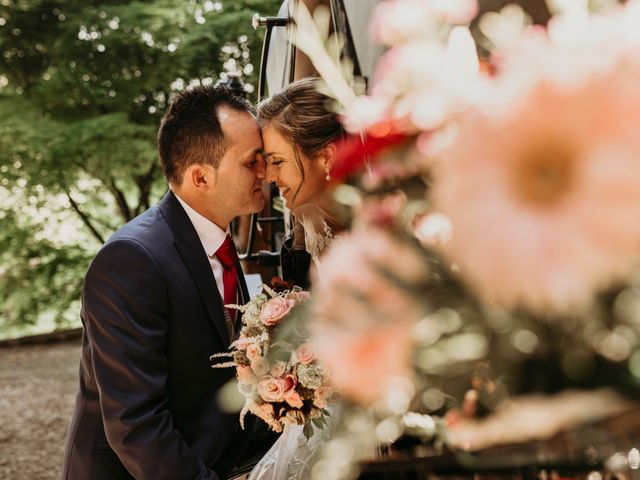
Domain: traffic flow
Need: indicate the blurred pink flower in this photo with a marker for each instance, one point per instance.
(305, 354)
(544, 199)
(275, 310)
(363, 365)
(362, 334)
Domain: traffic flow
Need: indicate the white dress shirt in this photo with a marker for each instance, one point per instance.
(211, 236)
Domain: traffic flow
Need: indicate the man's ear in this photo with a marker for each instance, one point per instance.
(198, 176)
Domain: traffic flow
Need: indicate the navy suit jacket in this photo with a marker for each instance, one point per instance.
(148, 405)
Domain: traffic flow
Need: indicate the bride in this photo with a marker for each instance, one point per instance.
(299, 134)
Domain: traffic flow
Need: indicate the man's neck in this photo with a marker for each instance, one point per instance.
(196, 204)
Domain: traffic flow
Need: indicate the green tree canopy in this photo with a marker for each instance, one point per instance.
(82, 89)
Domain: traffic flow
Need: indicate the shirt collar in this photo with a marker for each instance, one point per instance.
(211, 235)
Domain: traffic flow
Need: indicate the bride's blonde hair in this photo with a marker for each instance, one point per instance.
(303, 115)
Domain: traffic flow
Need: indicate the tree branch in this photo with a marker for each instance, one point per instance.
(125, 211)
(84, 217)
(144, 183)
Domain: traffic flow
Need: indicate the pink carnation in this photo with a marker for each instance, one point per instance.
(275, 310)
(305, 354)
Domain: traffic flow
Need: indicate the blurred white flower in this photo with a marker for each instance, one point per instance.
(397, 21)
(455, 12)
(557, 7)
(433, 230)
(364, 112)
(505, 27)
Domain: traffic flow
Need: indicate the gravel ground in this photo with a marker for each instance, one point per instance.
(37, 390)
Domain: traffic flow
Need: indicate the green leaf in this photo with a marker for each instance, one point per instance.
(307, 430)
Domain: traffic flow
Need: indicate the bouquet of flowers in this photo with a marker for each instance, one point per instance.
(278, 373)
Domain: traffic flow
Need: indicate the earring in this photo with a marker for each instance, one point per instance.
(328, 177)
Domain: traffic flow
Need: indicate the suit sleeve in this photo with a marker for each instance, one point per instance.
(125, 310)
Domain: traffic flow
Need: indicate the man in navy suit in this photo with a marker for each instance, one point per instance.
(153, 308)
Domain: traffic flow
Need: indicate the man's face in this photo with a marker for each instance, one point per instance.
(238, 178)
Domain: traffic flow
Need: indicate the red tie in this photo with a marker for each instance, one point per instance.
(228, 256)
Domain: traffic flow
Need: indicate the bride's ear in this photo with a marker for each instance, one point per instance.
(328, 157)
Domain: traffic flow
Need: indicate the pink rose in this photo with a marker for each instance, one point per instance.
(305, 354)
(293, 398)
(253, 351)
(273, 389)
(260, 366)
(278, 368)
(321, 395)
(289, 382)
(275, 310)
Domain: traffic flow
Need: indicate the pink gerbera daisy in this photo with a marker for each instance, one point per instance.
(544, 199)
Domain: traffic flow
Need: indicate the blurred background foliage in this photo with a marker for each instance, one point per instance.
(83, 86)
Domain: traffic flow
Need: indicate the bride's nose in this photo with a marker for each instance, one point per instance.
(270, 173)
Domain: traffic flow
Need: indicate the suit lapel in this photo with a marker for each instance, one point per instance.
(194, 257)
(244, 295)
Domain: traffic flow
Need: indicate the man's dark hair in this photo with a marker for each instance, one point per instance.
(190, 131)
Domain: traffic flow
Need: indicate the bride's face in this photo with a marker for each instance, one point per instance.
(301, 180)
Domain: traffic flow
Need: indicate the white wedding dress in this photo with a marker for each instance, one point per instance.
(289, 457)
